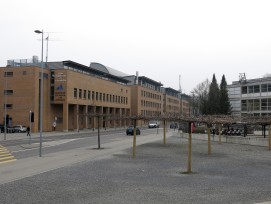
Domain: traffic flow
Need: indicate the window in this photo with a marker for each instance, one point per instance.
(8, 106)
(89, 95)
(101, 96)
(93, 95)
(8, 92)
(85, 94)
(256, 88)
(264, 88)
(269, 87)
(75, 92)
(8, 74)
(244, 105)
(256, 104)
(250, 105)
(80, 93)
(97, 96)
(244, 89)
(250, 89)
(264, 104)
(269, 103)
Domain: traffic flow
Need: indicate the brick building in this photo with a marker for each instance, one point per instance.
(73, 93)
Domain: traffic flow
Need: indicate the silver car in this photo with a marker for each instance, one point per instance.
(19, 128)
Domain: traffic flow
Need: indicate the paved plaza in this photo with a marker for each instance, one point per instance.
(233, 173)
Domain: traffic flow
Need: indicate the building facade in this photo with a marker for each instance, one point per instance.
(75, 96)
(250, 97)
(72, 95)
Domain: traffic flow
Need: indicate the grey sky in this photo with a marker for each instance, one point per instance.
(160, 39)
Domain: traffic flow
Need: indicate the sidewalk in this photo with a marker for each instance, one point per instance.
(15, 136)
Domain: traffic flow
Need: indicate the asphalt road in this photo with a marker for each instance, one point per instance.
(231, 174)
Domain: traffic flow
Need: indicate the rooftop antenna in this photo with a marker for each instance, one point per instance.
(242, 78)
(180, 88)
(51, 39)
(47, 39)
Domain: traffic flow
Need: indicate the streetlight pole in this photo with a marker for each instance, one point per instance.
(5, 106)
(41, 91)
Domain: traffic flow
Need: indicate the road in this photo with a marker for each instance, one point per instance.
(26, 147)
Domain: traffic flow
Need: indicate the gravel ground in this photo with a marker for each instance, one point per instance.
(231, 174)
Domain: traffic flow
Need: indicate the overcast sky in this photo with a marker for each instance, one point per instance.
(159, 39)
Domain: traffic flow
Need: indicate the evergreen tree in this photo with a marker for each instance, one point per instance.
(225, 106)
(213, 98)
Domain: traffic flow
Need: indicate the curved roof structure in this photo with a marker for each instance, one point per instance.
(107, 70)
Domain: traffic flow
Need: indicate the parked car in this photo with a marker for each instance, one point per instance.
(153, 124)
(19, 128)
(9, 129)
(130, 130)
(2, 128)
(173, 125)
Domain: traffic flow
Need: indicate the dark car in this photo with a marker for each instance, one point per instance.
(2, 128)
(130, 131)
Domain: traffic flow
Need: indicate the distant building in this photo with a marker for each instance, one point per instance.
(250, 97)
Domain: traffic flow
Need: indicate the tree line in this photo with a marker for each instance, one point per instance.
(210, 99)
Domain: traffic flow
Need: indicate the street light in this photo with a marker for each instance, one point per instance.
(41, 90)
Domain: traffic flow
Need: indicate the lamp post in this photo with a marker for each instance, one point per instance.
(41, 91)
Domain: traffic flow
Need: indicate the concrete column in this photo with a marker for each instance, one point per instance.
(65, 117)
(76, 117)
(94, 118)
(85, 117)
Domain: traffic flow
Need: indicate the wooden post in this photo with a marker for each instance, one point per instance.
(189, 164)
(219, 132)
(99, 139)
(164, 132)
(134, 140)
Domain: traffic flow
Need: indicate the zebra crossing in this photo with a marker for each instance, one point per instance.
(5, 155)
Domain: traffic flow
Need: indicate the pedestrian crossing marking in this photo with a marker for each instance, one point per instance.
(5, 155)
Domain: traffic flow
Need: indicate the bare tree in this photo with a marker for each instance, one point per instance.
(199, 98)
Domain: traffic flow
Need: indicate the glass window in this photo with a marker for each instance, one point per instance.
(244, 89)
(8, 74)
(250, 89)
(80, 93)
(256, 104)
(8, 106)
(256, 88)
(269, 87)
(8, 92)
(250, 105)
(89, 95)
(75, 92)
(85, 94)
(244, 105)
(269, 103)
(97, 96)
(264, 104)
(264, 88)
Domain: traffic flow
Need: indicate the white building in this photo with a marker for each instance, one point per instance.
(250, 97)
